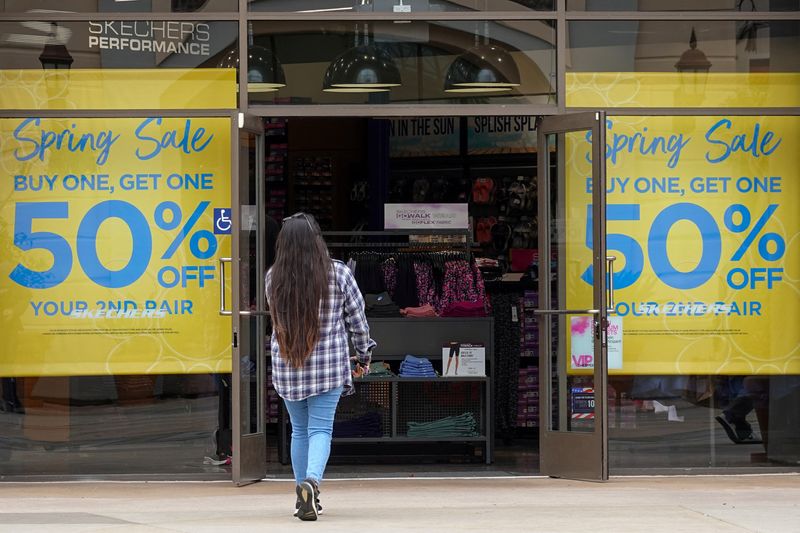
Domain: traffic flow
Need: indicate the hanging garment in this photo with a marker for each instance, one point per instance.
(426, 288)
(462, 283)
(406, 291)
(389, 272)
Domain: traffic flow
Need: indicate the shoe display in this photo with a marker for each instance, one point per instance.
(307, 494)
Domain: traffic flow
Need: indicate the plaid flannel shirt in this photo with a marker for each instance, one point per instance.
(328, 366)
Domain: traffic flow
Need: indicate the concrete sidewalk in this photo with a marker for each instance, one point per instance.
(668, 504)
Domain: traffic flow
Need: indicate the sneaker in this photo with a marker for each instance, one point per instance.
(316, 502)
(307, 493)
(738, 437)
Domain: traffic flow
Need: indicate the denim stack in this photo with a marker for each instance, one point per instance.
(416, 367)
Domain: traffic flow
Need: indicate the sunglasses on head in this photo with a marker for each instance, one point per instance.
(304, 217)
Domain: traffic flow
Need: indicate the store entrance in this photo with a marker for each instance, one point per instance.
(463, 296)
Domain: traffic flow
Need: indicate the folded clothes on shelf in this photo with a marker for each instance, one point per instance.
(367, 425)
(381, 306)
(424, 311)
(463, 425)
(464, 309)
(380, 368)
(416, 367)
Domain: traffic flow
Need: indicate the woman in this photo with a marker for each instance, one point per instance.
(314, 302)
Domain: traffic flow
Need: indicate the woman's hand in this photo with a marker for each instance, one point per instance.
(360, 370)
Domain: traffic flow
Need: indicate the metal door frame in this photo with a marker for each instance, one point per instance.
(574, 455)
(249, 449)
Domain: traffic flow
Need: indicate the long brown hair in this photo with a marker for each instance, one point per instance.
(298, 283)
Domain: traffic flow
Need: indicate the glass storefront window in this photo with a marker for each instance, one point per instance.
(397, 6)
(703, 421)
(508, 62)
(115, 6)
(107, 425)
(683, 63)
(702, 222)
(692, 5)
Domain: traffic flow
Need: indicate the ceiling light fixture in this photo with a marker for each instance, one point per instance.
(485, 67)
(364, 68)
(264, 71)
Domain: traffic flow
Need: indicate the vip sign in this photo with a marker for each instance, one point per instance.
(582, 342)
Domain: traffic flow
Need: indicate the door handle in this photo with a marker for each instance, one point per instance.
(610, 304)
(222, 310)
(610, 269)
(254, 313)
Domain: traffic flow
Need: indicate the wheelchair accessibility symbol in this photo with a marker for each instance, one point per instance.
(222, 221)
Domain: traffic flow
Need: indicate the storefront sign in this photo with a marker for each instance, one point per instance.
(703, 220)
(424, 136)
(426, 216)
(108, 246)
(582, 342)
(148, 36)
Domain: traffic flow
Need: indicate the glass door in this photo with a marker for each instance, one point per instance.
(573, 301)
(249, 305)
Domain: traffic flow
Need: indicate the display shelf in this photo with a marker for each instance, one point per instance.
(400, 400)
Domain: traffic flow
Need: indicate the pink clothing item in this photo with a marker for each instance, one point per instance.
(424, 311)
(464, 309)
(426, 291)
(462, 283)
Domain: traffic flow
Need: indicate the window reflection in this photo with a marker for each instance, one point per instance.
(383, 62)
(101, 425)
(671, 5)
(398, 6)
(656, 46)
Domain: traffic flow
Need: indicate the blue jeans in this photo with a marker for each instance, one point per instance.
(312, 427)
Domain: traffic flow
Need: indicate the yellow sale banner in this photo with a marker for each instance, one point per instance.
(702, 218)
(110, 235)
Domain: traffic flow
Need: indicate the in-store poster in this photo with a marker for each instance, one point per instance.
(702, 218)
(463, 359)
(581, 345)
(111, 231)
(426, 216)
(424, 136)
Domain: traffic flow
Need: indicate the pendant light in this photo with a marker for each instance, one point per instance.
(365, 68)
(483, 68)
(264, 71)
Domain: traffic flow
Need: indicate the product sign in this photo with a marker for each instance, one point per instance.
(426, 216)
(111, 231)
(703, 221)
(463, 359)
(582, 342)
